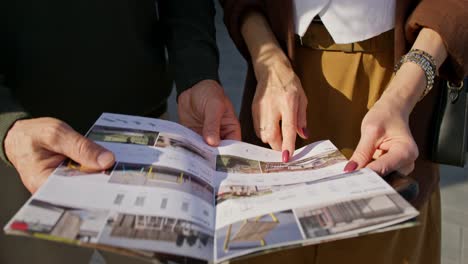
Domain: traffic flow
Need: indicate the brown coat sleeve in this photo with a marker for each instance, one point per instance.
(234, 12)
(449, 18)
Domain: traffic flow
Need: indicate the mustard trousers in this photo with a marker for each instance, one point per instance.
(341, 83)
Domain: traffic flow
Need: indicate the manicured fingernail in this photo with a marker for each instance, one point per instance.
(351, 166)
(305, 132)
(285, 155)
(21, 226)
(105, 159)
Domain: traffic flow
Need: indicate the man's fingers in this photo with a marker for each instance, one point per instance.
(89, 154)
(66, 141)
(232, 132)
(230, 126)
(214, 111)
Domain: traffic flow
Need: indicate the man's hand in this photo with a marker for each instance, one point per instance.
(205, 109)
(37, 146)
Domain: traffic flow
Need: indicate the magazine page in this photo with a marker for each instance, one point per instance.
(160, 134)
(170, 194)
(263, 204)
(312, 162)
(158, 197)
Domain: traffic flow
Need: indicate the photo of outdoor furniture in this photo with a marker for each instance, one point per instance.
(251, 231)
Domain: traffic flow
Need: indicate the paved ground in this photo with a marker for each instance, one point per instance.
(454, 186)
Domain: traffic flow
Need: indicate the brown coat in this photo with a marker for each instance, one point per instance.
(445, 17)
(448, 18)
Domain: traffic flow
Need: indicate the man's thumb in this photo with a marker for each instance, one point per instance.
(84, 151)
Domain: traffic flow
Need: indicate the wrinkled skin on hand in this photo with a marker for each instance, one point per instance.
(205, 109)
(37, 146)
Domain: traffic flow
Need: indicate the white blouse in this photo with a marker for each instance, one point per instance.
(347, 21)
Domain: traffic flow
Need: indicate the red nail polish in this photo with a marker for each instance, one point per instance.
(21, 226)
(351, 166)
(305, 132)
(285, 155)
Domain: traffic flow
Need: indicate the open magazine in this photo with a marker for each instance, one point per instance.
(171, 196)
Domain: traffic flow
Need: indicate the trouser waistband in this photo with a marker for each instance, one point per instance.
(318, 38)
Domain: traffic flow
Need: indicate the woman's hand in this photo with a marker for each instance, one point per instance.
(385, 133)
(279, 96)
(385, 137)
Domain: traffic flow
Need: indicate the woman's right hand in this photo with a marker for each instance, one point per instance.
(279, 105)
(279, 96)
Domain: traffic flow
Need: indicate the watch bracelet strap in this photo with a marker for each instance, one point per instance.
(427, 64)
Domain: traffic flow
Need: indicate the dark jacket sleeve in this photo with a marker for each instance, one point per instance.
(450, 19)
(234, 12)
(10, 112)
(190, 38)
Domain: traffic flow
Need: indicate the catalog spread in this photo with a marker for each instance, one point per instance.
(169, 195)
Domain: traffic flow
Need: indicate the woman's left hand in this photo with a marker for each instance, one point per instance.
(386, 143)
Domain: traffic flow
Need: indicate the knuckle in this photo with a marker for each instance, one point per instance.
(411, 153)
(297, 81)
(268, 137)
(406, 170)
(291, 97)
(289, 134)
(257, 133)
(372, 130)
(52, 132)
(384, 170)
(359, 156)
(264, 139)
(219, 101)
(261, 106)
(404, 157)
(210, 131)
(266, 107)
(214, 106)
(414, 151)
(305, 101)
(379, 169)
(82, 146)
